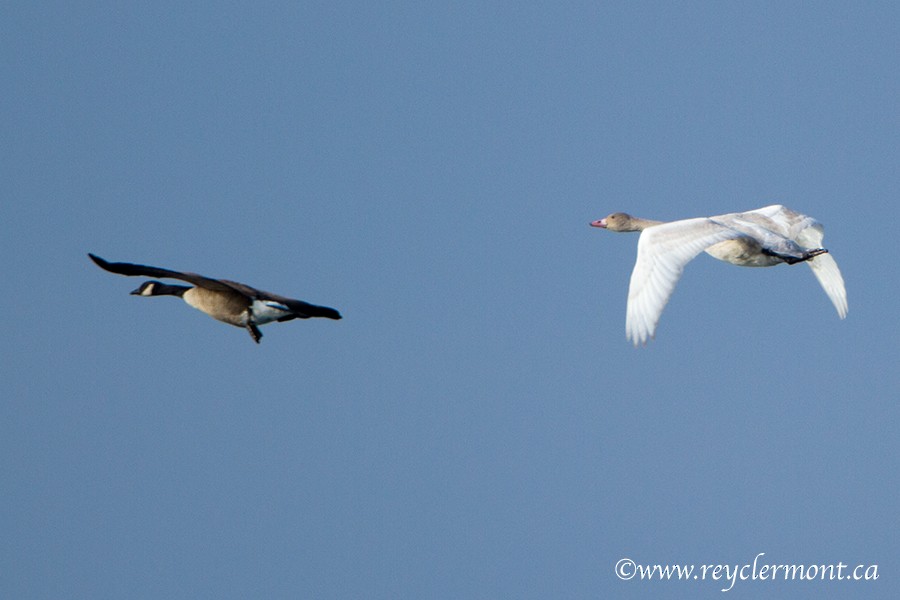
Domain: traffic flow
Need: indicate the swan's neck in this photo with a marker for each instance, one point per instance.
(638, 224)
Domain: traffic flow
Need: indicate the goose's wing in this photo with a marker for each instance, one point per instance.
(132, 270)
(299, 308)
(663, 252)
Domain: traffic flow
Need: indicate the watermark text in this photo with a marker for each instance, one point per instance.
(759, 569)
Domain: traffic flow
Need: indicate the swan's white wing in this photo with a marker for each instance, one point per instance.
(824, 267)
(781, 220)
(663, 252)
(826, 271)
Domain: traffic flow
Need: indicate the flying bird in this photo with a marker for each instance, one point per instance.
(763, 237)
(227, 301)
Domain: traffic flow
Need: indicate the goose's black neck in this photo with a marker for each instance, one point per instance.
(164, 289)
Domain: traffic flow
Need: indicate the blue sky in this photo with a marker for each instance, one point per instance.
(477, 426)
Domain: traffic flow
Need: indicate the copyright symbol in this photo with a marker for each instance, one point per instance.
(625, 569)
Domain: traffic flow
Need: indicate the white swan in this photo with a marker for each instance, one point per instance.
(757, 238)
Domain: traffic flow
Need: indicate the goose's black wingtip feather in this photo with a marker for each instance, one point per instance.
(105, 264)
(97, 260)
(328, 313)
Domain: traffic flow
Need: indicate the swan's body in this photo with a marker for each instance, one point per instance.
(758, 238)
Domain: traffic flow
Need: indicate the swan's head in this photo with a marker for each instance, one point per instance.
(619, 222)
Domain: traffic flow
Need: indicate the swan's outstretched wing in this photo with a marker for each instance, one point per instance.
(824, 267)
(826, 271)
(781, 220)
(806, 232)
(663, 252)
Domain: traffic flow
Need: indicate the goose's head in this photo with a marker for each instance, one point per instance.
(158, 288)
(148, 288)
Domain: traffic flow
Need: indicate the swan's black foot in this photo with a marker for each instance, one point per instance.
(792, 260)
(808, 255)
(254, 332)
